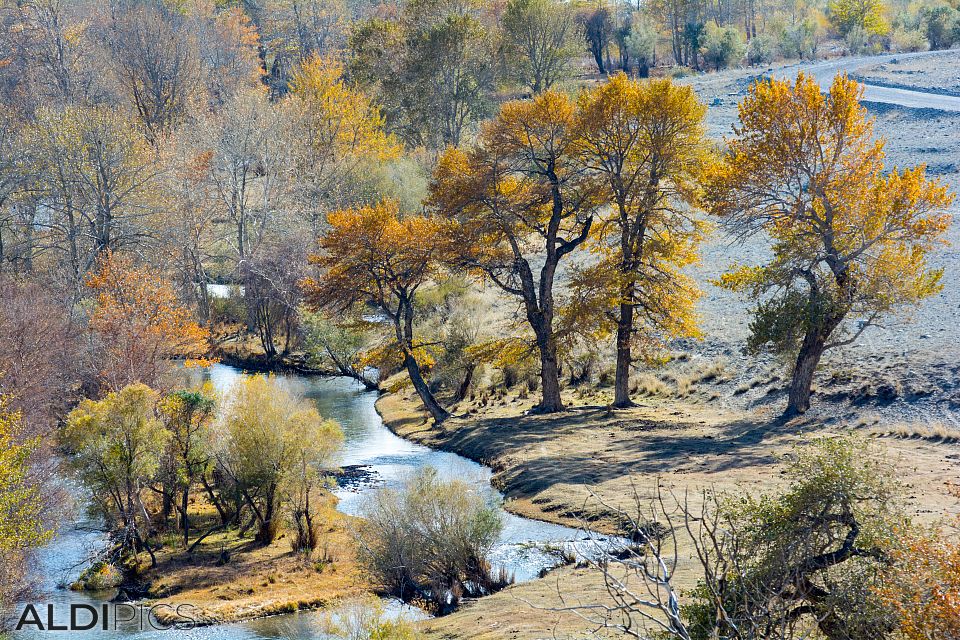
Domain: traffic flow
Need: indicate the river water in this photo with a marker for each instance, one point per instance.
(368, 443)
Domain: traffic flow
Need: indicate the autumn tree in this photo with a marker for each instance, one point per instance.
(21, 509)
(156, 62)
(541, 37)
(433, 67)
(846, 15)
(187, 416)
(343, 135)
(645, 141)
(116, 445)
(373, 256)
(140, 324)
(523, 201)
(94, 173)
(268, 435)
(850, 240)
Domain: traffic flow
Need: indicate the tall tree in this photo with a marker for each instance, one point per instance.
(541, 38)
(646, 142)
(117, 443)
(371, 255)
(156, 61)
(850, 240)
(269, 434)
(522, 197)
(434, 67)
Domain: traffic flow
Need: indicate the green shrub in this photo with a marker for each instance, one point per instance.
(761, 49)
(722, 47)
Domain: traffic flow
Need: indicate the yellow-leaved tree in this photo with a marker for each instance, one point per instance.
(850, 240)
(372, 256)
(523, 201)
(21, 510)
(645, 143)
(342, 133)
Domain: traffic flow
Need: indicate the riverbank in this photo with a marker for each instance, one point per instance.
(550, 467)
(230, 578)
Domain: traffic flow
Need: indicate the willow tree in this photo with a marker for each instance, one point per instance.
(522, 198)
(850, 241)
(645, 140)
(373, 256)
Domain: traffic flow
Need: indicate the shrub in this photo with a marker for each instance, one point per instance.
(761, 49)
(800, 41)
(365, 618)
(722, 47)
(856, 40)
(904, 40)
(430, 540)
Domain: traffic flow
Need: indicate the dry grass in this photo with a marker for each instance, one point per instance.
(548, 467)
(257, 581)
(936, 430)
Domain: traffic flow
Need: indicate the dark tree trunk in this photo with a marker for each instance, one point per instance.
(811, 350)
(429, 401)
(465, 383)
(550, 401)
(621, 385)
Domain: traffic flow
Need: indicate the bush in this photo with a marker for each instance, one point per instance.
(941, 24)
(230, 309)
(430, 540)
(761, 49)
(800, 41)
(365, 618)
(100, 576)
(722, 47)
(857, 41)
(904, 41)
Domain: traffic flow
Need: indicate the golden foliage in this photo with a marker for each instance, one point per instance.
(341, 119)
(849, 238)
(21, 524)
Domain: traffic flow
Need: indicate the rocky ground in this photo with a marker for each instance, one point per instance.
(939, 73)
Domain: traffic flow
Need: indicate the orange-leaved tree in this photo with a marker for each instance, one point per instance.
(523, 201)
(923, 587)
(645, 141)
(850, 240)
(140, 324)
(372, 255)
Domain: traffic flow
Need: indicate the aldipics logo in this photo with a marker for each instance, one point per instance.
(106, 617)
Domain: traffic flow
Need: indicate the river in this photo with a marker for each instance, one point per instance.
(367, 442)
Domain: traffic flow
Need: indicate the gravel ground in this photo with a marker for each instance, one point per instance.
(939, 73)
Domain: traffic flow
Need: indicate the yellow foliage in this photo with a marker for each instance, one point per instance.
(849, 238)
(21, 525)
(341, 119)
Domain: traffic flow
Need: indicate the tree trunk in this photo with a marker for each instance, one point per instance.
(465, 383)
(621, 386)
(184, 518)
(811, 350)
(429, 401)
(550, 401)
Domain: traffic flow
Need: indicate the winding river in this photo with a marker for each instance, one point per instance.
(367, 443)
